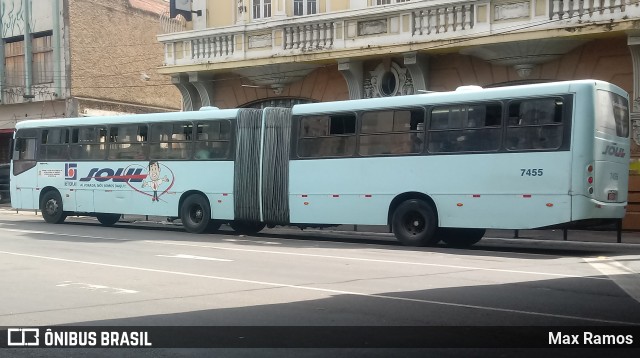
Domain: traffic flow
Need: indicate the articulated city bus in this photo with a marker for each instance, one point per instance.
(438, 166)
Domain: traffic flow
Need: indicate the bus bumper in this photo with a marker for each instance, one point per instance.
(584, 208)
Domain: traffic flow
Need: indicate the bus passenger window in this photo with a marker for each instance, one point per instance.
(54, 144)
(343, 125)
(170, 140)
(538, 127)
(392, 132)
(465, 128)
(88, 143)
(128, 142)
(327, 136)
(212, 140)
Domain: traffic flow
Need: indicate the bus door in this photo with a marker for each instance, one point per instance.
(24, 177)
(609, 175)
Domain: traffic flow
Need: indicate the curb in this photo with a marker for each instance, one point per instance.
(631, 238)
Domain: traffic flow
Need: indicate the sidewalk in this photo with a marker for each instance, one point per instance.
(603, 236)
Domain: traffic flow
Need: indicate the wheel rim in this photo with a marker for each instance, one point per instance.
(196, 214)
(414, 223)
(51, 207)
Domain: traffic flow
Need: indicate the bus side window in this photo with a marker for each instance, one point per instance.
(170, 140)
(327, 136)
(128, 142)
(465, 128)
(483, 128)
(54, 144)
(392, 132)
(539, 124)
(88, 143)
(213, 140)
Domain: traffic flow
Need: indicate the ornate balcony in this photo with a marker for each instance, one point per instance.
(397, 28)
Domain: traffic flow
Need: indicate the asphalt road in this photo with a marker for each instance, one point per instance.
(82, 274)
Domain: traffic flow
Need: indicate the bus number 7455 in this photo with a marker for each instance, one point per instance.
(531, 172)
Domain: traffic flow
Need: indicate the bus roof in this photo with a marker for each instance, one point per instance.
(208, 114)
(466, 94)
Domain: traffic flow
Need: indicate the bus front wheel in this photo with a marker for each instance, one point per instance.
(414, 223)
(195, 214)
(247, 227)
(461, 238)
(108, 219)
(51, 208)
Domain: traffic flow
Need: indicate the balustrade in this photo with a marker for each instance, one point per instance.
(442, 19)
(309, 37)
(568, 9)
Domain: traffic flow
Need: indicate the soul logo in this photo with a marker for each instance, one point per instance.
(120, 175)
(614, 151)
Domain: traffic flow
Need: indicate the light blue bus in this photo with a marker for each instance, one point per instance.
(432, 167)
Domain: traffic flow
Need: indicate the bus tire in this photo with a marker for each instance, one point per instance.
(108, 219)
(247, 227)
(195, 214)
(414, 223)
(461, 238)
(51, 207)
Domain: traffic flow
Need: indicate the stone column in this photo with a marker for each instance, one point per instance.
(190, 97)
(418, 66)
(352, 73)
(634, 49)
(204, 86)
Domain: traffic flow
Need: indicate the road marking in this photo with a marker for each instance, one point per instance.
(257, 242)
(324, 290)
(61, 234)
(627, 279)
(318, 255)
(182, 256)
(375, 260)
(100, 288)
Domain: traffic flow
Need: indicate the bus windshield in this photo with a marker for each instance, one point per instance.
(612, 114)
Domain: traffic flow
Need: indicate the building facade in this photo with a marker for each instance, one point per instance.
(244, 53)
(70, 58)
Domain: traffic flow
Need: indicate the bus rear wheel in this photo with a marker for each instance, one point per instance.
(195, 214)
(51, 207)
(461, 238)
(247, 227)
(414, 223)
(108, 219)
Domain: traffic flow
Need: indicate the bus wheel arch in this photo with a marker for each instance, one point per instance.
(51, 206)
(413, 218)
(194, 210)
